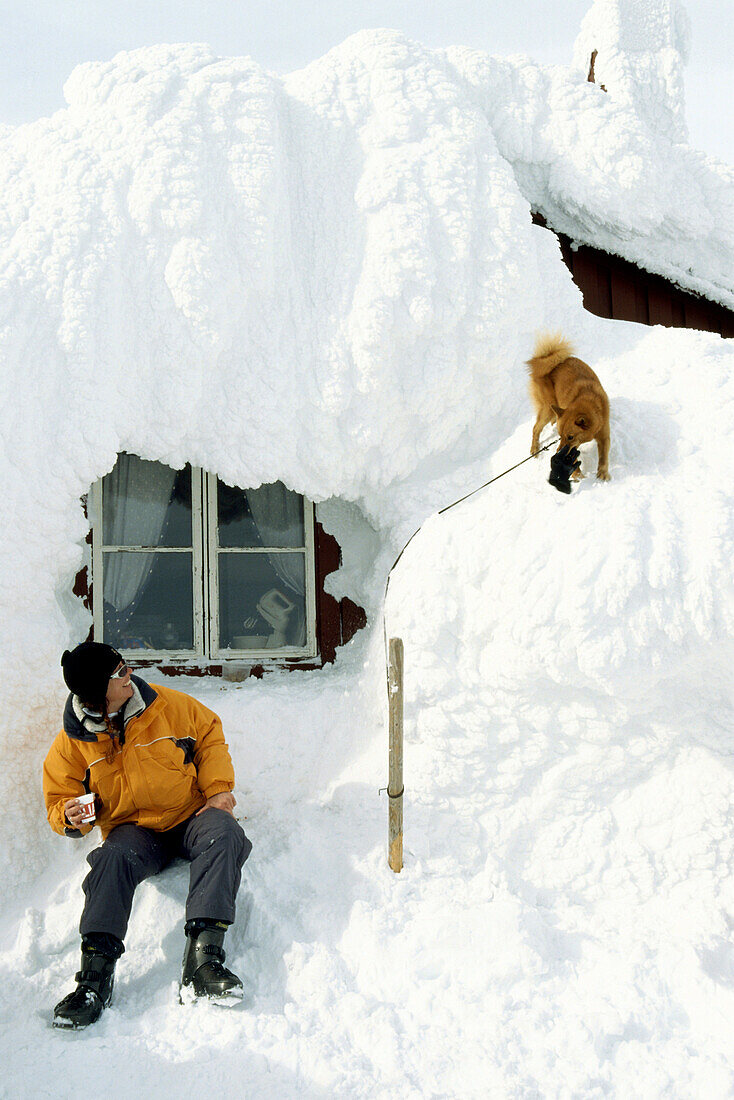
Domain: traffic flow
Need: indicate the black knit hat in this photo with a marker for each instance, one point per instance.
(87, 670)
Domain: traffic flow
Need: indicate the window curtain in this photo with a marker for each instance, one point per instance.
(278, 514)
(276, 511)
(136, 498)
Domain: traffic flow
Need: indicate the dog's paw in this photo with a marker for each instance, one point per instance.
(577, 475)
(603, 475)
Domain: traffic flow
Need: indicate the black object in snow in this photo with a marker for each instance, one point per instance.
(563, 463)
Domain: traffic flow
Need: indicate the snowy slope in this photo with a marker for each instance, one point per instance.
(333, 279)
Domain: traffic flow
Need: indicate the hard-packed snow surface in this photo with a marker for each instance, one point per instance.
(333, 280)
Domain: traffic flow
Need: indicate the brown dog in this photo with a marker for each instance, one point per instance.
(565, 389)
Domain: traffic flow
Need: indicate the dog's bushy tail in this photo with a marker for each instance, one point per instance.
(550, 350)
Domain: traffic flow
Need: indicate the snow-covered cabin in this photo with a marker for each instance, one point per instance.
(308, 301)
(188, 219)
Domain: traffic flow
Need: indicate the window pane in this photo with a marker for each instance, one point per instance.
(262, 602)
(146, 504)
(148, 600)
(269, 516)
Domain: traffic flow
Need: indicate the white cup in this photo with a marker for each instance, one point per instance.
(89, 814)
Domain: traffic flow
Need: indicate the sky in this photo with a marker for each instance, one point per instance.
(43, 41)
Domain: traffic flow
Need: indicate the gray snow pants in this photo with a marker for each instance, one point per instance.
(213, 842)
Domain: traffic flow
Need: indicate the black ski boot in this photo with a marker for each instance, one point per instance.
(94, 980)
(204, 974)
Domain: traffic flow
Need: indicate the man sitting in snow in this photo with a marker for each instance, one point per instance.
(157, 762)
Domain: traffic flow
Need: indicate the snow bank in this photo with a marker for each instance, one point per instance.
(333, 279)
(629, 585)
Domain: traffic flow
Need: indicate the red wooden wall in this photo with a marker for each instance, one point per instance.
(612, 287)
(336, 621)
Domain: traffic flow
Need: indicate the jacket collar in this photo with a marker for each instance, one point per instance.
(85, 727)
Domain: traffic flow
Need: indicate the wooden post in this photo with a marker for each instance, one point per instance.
(395, 777)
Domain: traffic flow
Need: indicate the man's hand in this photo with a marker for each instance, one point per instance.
(74, 813)
(224, 801)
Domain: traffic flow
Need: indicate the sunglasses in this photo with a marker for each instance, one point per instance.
(122, 671)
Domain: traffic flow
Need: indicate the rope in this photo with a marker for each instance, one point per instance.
(449, 506)
(508, 471)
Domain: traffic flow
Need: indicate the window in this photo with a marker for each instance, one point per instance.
(190, 567)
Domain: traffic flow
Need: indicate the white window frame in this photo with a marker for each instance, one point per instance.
(205, 581)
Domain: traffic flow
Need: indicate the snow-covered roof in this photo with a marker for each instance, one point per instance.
(608, 169)
(612, 168)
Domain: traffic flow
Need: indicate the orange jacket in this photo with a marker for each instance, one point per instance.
(171, 758)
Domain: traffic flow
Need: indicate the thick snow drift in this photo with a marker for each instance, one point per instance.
(333, 280)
